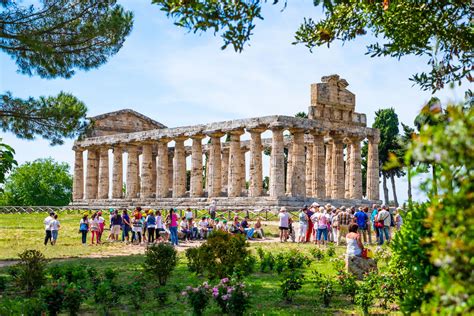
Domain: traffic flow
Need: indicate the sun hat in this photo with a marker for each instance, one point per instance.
(283, 209)
(315, 204)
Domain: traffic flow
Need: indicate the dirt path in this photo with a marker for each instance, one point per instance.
(130, 249)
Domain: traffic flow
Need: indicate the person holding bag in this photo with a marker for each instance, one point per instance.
(84, 228)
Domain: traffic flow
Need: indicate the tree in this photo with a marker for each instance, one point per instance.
(7, 162)
(386, 120)
(439, 30)
(404, 141)
(301, 115)
(53, 118)
(41, 182)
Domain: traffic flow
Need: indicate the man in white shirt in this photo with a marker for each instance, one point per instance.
(47, 226)
(384, 216)
(284, 223)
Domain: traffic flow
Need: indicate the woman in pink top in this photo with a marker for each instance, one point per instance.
(173, 218)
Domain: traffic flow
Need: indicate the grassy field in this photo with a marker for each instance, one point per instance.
(25, 231)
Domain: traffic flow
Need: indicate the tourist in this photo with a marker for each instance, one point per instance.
(150, 222)
(322, 227)
(362, 221)
(219, 225)
(246, 228)
(158, 225)
(183, 225)
(291, 231)
(116, 223)
(235, 227)
(126, 225)
(303, 221)
(398, 218)
(203, 227)
(310, 212)
(173, 220)
(344, 219)
(374, 213)
(84, 228)
(137, 227)
(94, 228)
(213, 209)
(210, 225)
(335, 224)
(101, 221)
(189, 217)
(55, 225)
(383, 221)
(369, 224)
(354, 242)
(143, 216)
(283, 216)
(259, 229)
(47, 226)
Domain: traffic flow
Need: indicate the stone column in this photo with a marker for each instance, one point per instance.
(179, 168)
(277, 163)
(328, 169)
(235, 164)
(206, 185)
(170, 170)
(356, 172)
(162, 183)
(146, 188)
(243, 170)
(347, 171)
(373, 167)
(196, 189)
(117, 173)
(337, 166)
(298, 182)
(153, 174)
(215, 165)
(78, 184)
(92, 174)
(319, 172)
(309, 170)
(225, 169)
(103, 173)
(132, 172)
(256, 173)
(289, 169)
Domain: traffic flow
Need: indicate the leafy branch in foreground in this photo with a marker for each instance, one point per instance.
(52, 118)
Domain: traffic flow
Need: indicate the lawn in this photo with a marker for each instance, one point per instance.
(25, 231)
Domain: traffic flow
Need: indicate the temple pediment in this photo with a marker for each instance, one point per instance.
(123, 121)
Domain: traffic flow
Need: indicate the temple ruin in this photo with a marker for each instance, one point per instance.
(311, 159)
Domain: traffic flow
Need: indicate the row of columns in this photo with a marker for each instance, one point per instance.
(314, 169)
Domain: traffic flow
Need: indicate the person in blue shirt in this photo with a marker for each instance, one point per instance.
(375, 211)
(362, 221)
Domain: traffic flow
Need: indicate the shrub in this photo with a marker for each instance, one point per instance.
(161, 295)
(219, 256)
(53, 296)
(29, 273)
(292, 282)
(365, 293)
(267, 260)
(71, 273)
(231, 297)
(137, 286)
(3, 283)
(317, 253)
(107, 293)
(338, 264)
(73, 298)
(317, 278)
(160, 261)
(197, 297)
(292, 260)
(331, 251)
(348, 284)
(26, 307)
(327, 290)
(246, 268)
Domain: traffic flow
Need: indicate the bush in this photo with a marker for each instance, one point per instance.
(327, 290)
(53, 296)
(317, 253)
(348, 284)
(3, 283)
(29, 273)
(138, 287)
(219, 256)
(26, 307)
(71, 273)
(160, 261)
(231, 297)
(73, 298)
(292, 260)
(161, 295)
(331, 251)
(197, 297)
(367, 292)
(292, 282)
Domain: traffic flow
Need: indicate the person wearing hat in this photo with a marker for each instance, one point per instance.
(303, 221)
(284, 224)
(398, 218)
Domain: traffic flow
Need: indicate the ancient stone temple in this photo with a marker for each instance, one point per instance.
(128, 159)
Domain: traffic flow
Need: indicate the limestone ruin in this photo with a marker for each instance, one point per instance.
(319, 160)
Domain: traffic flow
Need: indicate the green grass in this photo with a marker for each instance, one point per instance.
(25, 231)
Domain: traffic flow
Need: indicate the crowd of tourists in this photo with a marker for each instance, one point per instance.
(318, 224)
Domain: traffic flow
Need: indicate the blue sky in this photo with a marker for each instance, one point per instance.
(181, 78)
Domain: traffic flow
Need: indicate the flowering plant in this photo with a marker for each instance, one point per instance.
(198, 297)
(231, 296)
